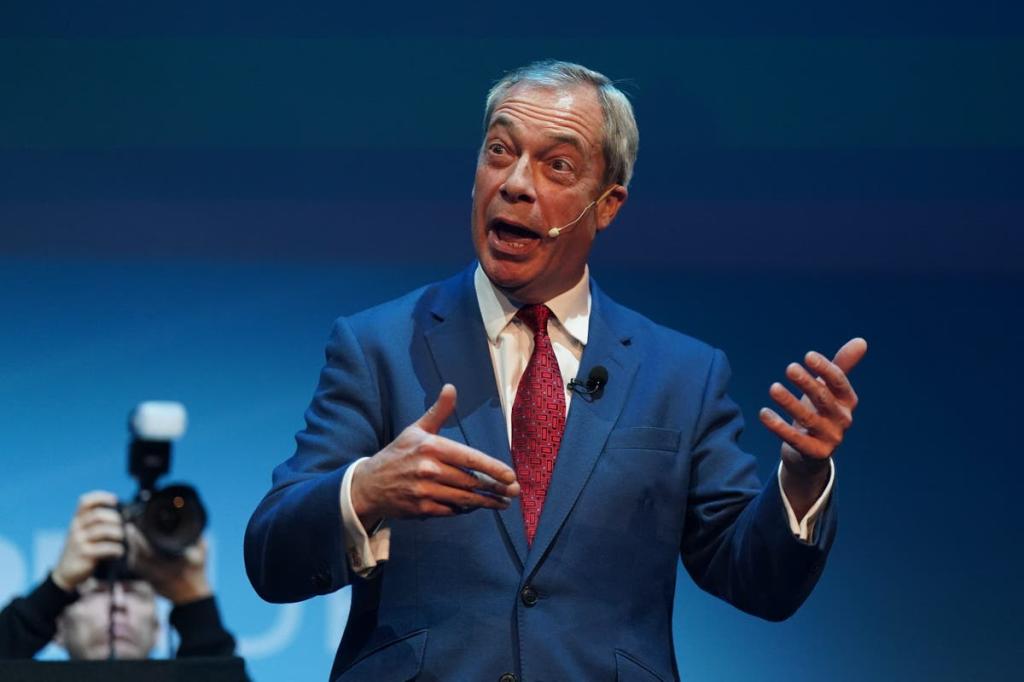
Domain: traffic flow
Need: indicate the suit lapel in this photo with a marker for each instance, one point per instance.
(587, 426)
(458, 344)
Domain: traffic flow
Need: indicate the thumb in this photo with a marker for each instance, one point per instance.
(438, 414)
(850, 354)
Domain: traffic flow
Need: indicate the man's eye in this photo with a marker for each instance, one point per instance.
(561, 165)
(496, 148)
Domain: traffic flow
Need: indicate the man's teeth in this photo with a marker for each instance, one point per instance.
(514, 238)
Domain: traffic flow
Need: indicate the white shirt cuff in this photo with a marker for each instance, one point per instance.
(364, 550)
(804, 528)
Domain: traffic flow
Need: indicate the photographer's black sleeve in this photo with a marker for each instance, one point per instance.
(28, 623)
(201, 630)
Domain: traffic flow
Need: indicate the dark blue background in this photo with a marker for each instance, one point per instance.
(189, 196)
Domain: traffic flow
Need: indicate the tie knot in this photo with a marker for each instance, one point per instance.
(535, 316)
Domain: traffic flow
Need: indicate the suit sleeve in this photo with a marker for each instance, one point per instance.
(294, 543)
(737, 543)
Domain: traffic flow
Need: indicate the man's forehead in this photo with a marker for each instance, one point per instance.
(566, 110)
(581, 98)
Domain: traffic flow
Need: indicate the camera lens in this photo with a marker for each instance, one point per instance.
(173, 519)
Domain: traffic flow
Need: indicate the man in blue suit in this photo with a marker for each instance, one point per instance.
(497, 524)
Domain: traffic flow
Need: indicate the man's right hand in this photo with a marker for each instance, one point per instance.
(423, 474)
(96, 534)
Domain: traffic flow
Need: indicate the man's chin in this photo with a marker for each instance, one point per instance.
(505, 275)
(124, 650)
(518, 285)
(516, 289)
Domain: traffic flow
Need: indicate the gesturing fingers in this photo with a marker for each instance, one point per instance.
(851, 353)
(450, 452)
(461, 499)
(438, 413)
(433, 470)
(816, 391)
(800, 441)
(433, 495)
(834, 377)
(804, 414)
(825, 412)
(464, 457)
(422, 473)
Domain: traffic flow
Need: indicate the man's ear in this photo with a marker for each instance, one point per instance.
(608, 207)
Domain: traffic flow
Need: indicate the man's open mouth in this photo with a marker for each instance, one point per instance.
(513, 237)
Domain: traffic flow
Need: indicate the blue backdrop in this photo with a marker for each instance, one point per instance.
(189, 198)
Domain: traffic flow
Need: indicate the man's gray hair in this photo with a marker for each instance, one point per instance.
(621, 137)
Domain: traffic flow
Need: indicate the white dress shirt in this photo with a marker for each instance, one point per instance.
(510, 343)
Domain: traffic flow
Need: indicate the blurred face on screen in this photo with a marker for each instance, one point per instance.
(540, 165)
(84, 627)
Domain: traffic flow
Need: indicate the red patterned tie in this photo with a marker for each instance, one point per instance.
(538, 418)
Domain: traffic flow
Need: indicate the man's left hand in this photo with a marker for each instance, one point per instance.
(820, 420)
(180, 580)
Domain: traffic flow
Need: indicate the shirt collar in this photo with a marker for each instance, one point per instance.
(571, 308)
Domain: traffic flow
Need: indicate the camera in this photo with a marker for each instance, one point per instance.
(171, 518)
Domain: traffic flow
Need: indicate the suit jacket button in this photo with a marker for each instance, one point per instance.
(529, 596)
(508, 677)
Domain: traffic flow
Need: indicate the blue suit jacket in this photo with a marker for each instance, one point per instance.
(648, 472)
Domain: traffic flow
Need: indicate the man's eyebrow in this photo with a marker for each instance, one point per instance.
(557, 138)
(503, 121)
(571, 140)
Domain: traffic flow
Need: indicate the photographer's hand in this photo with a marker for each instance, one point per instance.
(180, 580)
(95, 534)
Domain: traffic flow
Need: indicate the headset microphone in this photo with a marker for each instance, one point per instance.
(555, 231)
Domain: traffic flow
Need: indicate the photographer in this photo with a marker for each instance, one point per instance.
(89, 616)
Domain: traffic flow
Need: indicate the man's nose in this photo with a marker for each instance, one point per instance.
(117, 596)
(518, 186)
